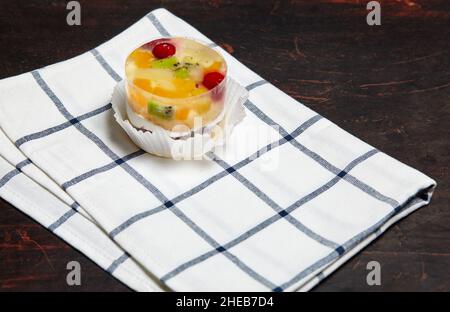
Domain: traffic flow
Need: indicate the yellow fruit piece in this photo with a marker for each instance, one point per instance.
(142, 58)
(164, 92)
(144, 84)
(156, 74)
(141, 100)
(184, 85)
(198, 91)
(182, 113)
(138, 99)
(202, 106)
(173, 88)
(216, 66)
(183, 88)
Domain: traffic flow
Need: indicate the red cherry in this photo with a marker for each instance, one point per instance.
(212, 79)
(150, 45)
(163, 50)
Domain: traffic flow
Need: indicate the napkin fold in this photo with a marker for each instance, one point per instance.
(30, 190)
(290, 198)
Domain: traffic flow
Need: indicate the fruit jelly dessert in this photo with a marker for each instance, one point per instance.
(175, 81)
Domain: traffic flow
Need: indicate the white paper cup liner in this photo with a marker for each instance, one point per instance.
(193, 145)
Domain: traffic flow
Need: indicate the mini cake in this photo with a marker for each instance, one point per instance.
(174, 82)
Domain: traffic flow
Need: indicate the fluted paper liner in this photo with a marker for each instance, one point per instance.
(193, 145)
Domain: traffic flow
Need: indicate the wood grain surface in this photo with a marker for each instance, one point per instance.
(389, 85)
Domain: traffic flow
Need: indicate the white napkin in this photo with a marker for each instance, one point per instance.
(289, 199)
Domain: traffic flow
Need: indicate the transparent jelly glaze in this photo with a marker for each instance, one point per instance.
(176, 82)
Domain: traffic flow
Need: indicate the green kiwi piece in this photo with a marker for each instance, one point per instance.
(182, 72)
(165, 63)
(161, 111)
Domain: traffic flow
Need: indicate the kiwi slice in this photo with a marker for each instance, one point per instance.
(182, 72)
(165, 63)
(161, 111)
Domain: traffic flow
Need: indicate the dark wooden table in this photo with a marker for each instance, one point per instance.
(388, 84)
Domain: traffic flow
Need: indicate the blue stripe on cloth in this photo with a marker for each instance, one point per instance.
(270, 220)
(158, 25)
(62, 220)
(23, 163)
(114, 75)
(7, 177)
(117, 262)
(216, 177)
(256, 84)
(320, 160)
(64, 217)
(73, 120)
(105, 168)
(75, 206)
(272, 204)
(351, 243)
(144, 182)
(11, 174)
(43, 85)
(62, 126)
(73, 210)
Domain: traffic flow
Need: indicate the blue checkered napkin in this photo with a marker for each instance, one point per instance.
(30, 190)
(289, 200)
